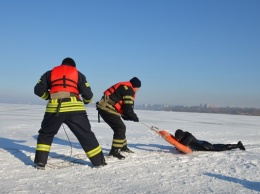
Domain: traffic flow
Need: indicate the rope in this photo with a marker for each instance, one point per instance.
(56, 165)
(153, 128)
(70, 163)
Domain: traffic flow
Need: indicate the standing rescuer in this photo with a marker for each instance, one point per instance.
(117, 102)
(63, 86)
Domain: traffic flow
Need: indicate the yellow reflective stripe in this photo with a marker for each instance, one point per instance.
(45, 96)
(119, 143)
(87, 101)
(87, 84)
(73, 105)
(93, 152)
(119, 140)
(128, 97)
(63, 109)
(66, 104)
(126, 88)
(128, 102)
(43, 147)
(73, 99)
(54, 102)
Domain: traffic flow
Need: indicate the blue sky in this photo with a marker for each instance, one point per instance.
(186, 52)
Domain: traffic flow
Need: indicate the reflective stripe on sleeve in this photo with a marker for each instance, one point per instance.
(45, 96)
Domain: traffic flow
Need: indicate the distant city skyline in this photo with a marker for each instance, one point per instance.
(184, 52)
(93, 103)
(203, 108)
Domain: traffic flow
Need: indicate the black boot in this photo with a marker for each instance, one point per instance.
(234, 146)
(126, 149)
(97, 162)
(40, 166)
(115, 153)
(99, 166)
(241, 146)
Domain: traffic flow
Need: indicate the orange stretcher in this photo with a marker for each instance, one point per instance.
(172, 140)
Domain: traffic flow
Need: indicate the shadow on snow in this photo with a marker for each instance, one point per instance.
(19, 151)
(247, 184)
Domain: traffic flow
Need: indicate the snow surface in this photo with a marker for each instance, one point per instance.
(155, 167)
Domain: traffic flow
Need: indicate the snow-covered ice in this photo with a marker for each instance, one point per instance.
(155, 167)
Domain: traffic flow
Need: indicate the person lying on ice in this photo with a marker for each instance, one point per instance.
(189, 140)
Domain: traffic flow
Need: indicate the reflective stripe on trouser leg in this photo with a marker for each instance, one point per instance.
(94, 152)
(96, 156)
(42, 153)
(43, 147)
(118, 143)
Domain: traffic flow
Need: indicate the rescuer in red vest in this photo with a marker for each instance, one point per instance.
(66, 90)
(117, 102)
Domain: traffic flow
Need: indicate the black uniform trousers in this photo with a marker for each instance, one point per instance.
(80, 126)
(206, 146)
(117, 125)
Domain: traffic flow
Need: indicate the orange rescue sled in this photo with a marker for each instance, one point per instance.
(172, 140)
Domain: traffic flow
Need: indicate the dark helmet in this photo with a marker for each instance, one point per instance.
(179, 134)
(136, 83)
(69, 61)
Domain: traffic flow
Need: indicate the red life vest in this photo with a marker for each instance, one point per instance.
(64, 78)
(111, 90)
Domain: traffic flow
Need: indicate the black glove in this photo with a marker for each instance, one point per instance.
(135, 119)
(125, 117)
